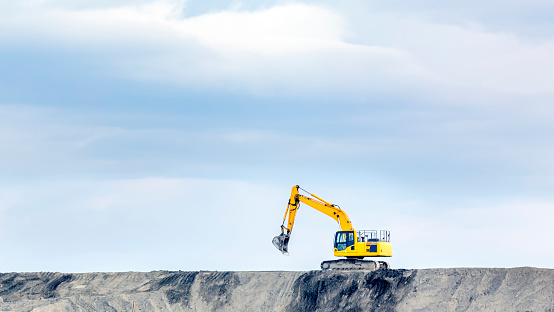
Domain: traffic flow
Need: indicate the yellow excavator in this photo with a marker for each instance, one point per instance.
(349, 243)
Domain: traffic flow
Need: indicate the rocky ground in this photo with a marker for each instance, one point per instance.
(475, 289)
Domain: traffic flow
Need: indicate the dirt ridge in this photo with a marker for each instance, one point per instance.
(457, 289)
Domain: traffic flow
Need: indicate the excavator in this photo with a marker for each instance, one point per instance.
(349, 243)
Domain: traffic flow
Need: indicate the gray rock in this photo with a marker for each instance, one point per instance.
(461, 289)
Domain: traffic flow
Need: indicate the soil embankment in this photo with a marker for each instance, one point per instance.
(476, 289)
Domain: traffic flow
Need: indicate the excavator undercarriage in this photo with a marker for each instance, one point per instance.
(354, 264)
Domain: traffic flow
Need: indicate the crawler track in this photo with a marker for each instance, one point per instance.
(354, 264)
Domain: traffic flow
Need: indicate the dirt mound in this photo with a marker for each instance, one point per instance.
(479, 289)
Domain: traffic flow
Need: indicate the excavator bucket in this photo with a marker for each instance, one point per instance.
(281, 242)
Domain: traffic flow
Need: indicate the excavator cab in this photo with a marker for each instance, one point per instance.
(343, 240)
(364, 243)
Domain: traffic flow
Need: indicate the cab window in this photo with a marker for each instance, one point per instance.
(344, 239)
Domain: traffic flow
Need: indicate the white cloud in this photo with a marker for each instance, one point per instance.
(298, 49)
(154, 223)
(277, 31)
(9, 198)
(495, 235)
(308, 51)
(84, 4)
(196, 223)
(292, 49)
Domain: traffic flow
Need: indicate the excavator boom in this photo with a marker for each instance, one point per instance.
(281, 241)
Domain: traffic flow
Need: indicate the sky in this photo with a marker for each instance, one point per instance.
(167, 134)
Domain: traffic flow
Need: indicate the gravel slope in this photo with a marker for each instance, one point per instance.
(462, 289)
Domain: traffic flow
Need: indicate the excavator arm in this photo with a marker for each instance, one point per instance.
(333, 211)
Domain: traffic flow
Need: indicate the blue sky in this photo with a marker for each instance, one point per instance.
(166, 134)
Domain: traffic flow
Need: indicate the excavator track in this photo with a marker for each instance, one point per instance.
(354, 265)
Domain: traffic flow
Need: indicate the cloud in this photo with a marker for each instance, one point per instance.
(139, 201)
(290, 49)
(78, 5)
(526, 18)
(493, 235)
(299, 50)
(439, 117)
(470, 63)
(452, 152)
(151, 218)
(152, 223)
(278, 31)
